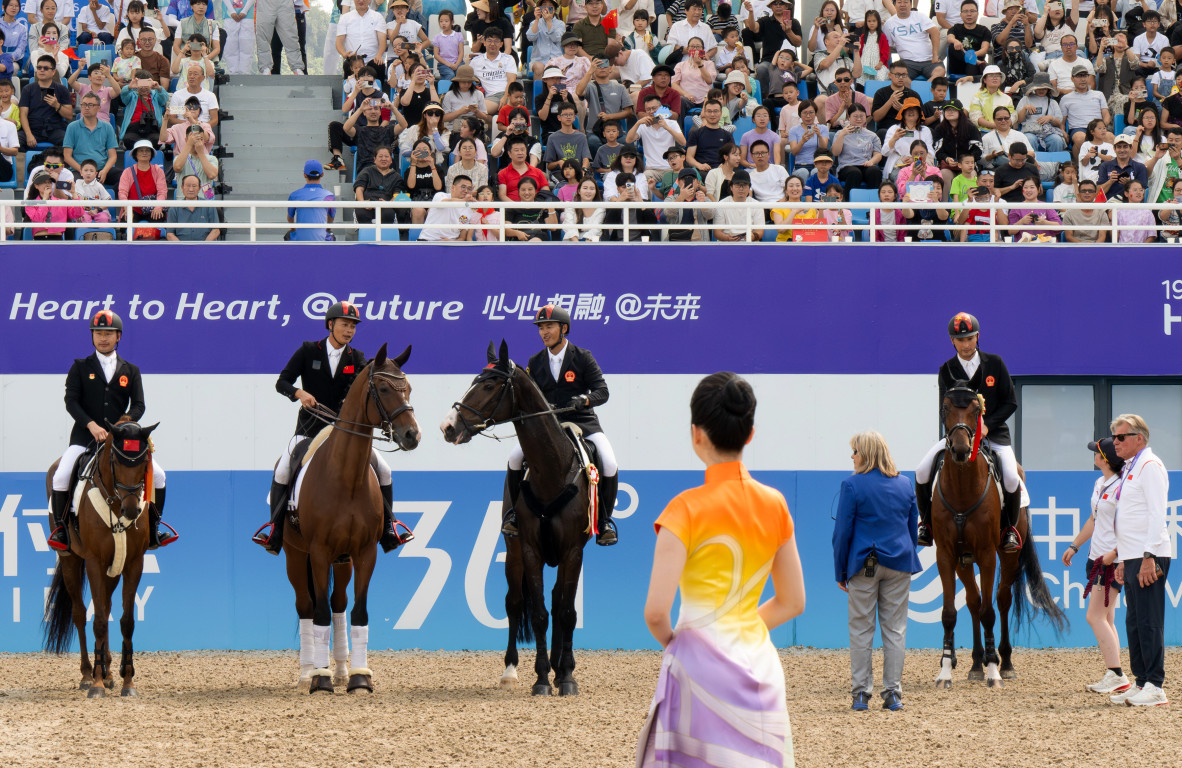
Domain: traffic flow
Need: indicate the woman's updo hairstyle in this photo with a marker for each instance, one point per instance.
(723, 404)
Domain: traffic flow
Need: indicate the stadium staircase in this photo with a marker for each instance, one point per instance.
(278, 122)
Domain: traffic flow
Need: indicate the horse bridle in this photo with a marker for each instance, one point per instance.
(971, 429)
(386, 423)
(488, 421)
(121, 491)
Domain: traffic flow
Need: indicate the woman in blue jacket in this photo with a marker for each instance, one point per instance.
(874, 543)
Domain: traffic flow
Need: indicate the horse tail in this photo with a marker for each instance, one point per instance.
(59, 613)
(1040, 600)
(525, 628)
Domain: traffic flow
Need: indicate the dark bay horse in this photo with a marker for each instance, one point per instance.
(966, 528)
(107, 543)
(504, 393)
(339, 515)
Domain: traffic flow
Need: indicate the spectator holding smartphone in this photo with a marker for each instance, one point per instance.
(47, 220)
(1028, 218)
(1115, 174)
(45, 107)
(1171, 213)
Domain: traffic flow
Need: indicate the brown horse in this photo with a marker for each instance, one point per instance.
(966, 527)
(106, 543)
(553, 534)
(339, 515)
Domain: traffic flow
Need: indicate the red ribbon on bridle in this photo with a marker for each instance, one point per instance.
(977, 436)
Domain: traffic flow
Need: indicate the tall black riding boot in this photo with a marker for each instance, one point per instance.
(156, 537)
(608, 487)
(272, 540)
(1011, 509)
(923, 499)
(58, 506)
(391, 539)
(513, 478)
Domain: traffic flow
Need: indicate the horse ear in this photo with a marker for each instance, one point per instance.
(504, 358)
(145, 431)
(492, 352)
(381, 358)
(401, 359)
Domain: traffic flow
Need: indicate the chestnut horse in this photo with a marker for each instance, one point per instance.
(106, 543)
(966, 528)
(505, 393)
(339, 515)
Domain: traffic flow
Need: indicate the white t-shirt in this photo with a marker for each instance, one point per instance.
(65, 9)
(101, 24)
(1060, 71)
(611, 191)
(64, 174)
(950, 9)
(656, 142)
(493, 74)
(205, 96)
(442, 223)
(1147, 50)
(1104, 510)
(361, 32)
(768, 185)
(638, 68)
(909, 37)
(9, 140)
(626, 15)
(1092, 172)
(410, 29)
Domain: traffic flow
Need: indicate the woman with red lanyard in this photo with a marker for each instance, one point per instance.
(1103, 587)
(144, 181)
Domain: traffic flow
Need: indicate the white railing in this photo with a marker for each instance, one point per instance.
(851, 232)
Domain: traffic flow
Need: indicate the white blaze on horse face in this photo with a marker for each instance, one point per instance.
(452, 420)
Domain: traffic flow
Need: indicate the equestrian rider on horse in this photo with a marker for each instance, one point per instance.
(989, 377)
(568, 377)
(326, 369)
(101, 389)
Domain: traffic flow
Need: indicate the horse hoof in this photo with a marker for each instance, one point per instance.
(542, 689)
(568, 689)
(976, 674)
(994, 683)
(1008, 674)
(321, 683)
(129, 692)
(96, 692)
(110, 683)
(945, 684)
(84, 685)
(508, 682)
(360, 683)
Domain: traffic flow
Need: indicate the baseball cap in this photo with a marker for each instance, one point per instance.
(954, 104)
(663, 68)
(688, 173)
(740, 177)
(1107, 450)
(992, 69)
(570, 37)
(1123, 138)
(676, 149)
(1079, 69)
(313, 168)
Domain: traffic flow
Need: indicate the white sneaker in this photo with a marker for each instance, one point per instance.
(265, 71)
(1111, 683)
(1150, 696)
(1120, 698)
(297, 72)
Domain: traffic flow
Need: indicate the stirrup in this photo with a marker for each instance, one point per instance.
(265, 541)
(509, 526)
(60, 546)
(166, 539)
(403, 538)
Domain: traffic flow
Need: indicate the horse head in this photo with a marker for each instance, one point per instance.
(130, 454)
(485, 404)
(389, 391)
(961, 412)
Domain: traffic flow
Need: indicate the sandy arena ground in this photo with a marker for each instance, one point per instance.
(218, 710)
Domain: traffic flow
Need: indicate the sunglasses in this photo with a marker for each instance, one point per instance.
(1123, 436)
(52, 166)
(42, 67)
(1001, 119)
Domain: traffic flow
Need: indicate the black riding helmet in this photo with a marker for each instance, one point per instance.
(553, 314)
(342, 309)
(963, 326)
(106, 320)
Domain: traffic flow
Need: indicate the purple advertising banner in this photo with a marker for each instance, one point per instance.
(642, 308)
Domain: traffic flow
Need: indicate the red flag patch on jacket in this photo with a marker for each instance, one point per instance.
(348, 369)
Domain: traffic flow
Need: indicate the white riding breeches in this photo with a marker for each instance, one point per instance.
(283, 468)
(1005, 454)
(607, 457)
(65, 468)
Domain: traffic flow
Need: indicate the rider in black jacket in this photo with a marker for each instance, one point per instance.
(569, 377)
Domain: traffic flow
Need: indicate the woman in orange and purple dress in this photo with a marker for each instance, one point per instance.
(718, 543)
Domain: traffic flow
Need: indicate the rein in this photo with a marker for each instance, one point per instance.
(119, 491)
(958, 517)
(489, 421)
(323, 413)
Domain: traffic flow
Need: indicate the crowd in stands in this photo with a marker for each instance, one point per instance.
(686, 100)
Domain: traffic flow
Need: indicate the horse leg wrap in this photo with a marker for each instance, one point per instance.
(360, 638)
(320, 646)
(340, 638)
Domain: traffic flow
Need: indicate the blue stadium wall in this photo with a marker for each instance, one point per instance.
(834, 339)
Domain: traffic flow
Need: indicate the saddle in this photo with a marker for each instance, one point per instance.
(986, 452)
(84, 468)
(586, 456)
(300, 456)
